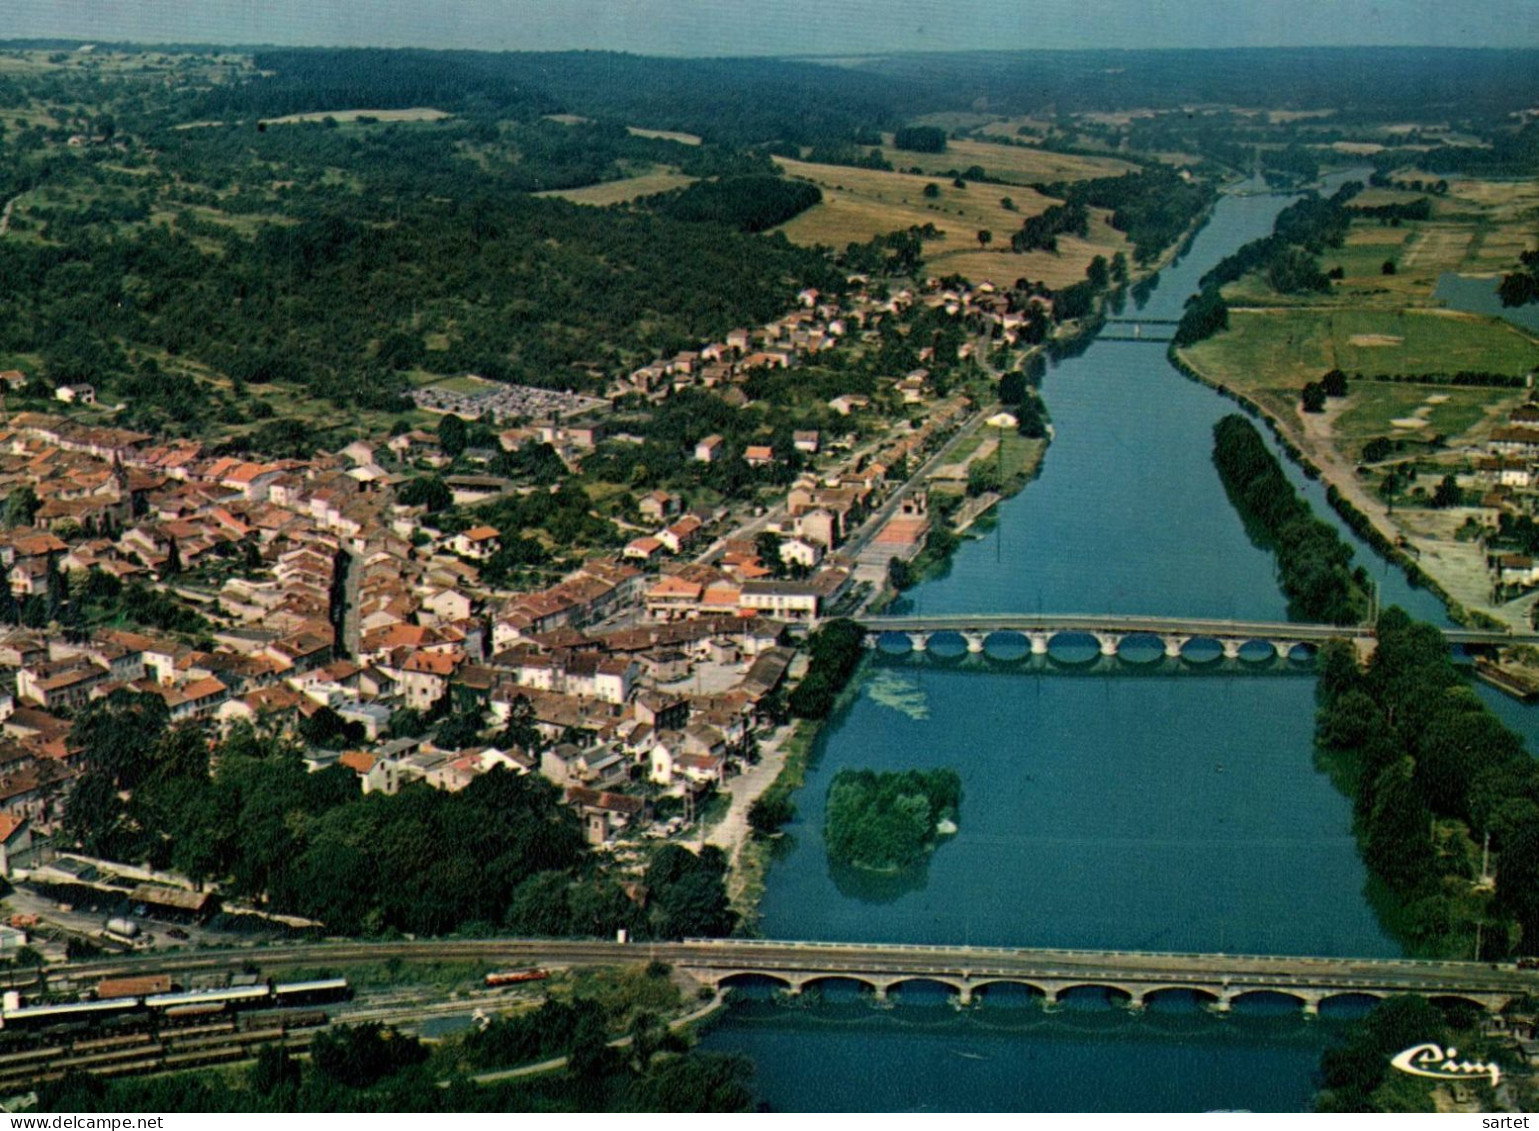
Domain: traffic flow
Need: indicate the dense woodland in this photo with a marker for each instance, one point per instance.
(1313, 563)
(1154, 206)
(503, 853)
(1431, 771)
(887, 821)
(1355, 1071)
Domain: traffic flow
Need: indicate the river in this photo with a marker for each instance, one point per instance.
(1148, 808)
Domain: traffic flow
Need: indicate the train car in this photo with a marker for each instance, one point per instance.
(192, 1013)
(285, 1020)
(40, 1016)
(514, 977)
(307, 993)
(234, 998)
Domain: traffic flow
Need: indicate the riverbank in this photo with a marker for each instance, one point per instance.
(751, 863)
(1368, 517)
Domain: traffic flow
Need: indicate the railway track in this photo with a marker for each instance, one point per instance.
(162, 1051)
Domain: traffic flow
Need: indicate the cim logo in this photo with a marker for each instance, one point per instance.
(1438, 1063)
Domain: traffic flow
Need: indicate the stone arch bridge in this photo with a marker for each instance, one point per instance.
(1137, 976)
(1174, 633)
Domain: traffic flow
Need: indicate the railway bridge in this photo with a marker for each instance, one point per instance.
(1110, 630)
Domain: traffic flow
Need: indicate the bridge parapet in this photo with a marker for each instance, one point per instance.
(1135, 976)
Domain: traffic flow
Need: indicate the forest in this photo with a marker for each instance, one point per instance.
(503, 853)
(750, 204)
(1431, 771)
(1153, 207)
(891, 820)
(1313, 563)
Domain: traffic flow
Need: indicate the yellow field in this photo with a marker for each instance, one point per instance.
(1011, 127)
(413, 114)
(665, 135)
(1015, 164)
(1003, 268)
(1500, 247)
(618, 192)
(1503, 198)
(1374, 197)
(861, 203)
(1436, 248)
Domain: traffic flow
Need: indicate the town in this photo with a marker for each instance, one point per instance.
(306, 598)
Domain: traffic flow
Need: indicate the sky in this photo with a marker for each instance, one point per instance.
(782, 27)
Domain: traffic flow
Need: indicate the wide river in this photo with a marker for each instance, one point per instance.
(1142, 807)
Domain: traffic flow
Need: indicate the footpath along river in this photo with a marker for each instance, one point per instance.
(1148, 807)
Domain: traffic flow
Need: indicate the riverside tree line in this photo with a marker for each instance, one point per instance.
(1431, 773)
(1313, 563)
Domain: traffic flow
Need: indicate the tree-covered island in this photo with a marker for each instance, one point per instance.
(889, 821)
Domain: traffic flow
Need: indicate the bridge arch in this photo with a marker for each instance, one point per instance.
(1257, 652)
(1443, 1001)
(1115, 994)
(1073, 647)
(1349, 1003)
(1202, 650)
(877, 987)
(1030, 987)
(1141, 648)
(1152, 995)
(750, 977)
(918, 981)
(946, 644)
(1265, 995)
(1006, 646)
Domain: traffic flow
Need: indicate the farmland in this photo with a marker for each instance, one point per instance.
(1017, 165)
(619, 192)
(861, 203)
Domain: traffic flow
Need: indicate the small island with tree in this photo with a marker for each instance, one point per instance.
(889, 821)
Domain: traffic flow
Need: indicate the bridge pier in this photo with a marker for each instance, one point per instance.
(1038, 641)
(1232, 648)
(1284, 648)
(1224, 1003)
(1108, 642)
(965, 996)
(974, 641)
(919, 641)
(1173, 646)
(1311, 1006)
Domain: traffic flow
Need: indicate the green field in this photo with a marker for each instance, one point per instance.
(1285, 348)
(1269, 355)
(1373, 407)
